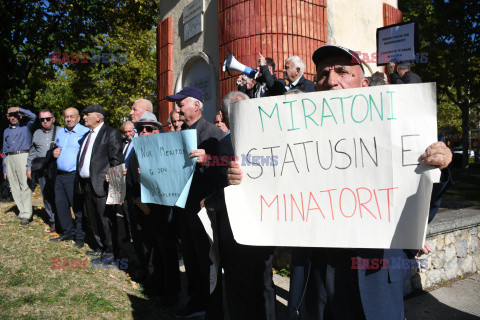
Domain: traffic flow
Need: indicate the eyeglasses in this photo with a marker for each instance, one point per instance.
(45, 119)
(149, 129)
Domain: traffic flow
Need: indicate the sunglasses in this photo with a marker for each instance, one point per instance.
(45, 119)
(149, 129)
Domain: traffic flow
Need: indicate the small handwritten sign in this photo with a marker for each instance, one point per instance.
(334, 169)
(166, 171)
(396, 43)
(116, 184)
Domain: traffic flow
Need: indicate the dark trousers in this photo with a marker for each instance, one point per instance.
(64, 199)
(138, 243)
(195, 248)
(126, 219)
(102, 220)
(160, 249)
(248, 275)
(332, 291)
(48, 194)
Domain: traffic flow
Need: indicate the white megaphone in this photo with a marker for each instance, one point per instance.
(232, 64)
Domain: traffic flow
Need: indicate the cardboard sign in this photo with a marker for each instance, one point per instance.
(334, 169)
(116, 184)
(166, 171)
(396, 43)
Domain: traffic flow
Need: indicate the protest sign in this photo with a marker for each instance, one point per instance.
(116, 184)
(337, 168)
(397, 43)
(166, 171)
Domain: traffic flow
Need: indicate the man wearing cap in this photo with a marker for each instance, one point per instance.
(195, 243)
(158, 231)
(68, 142)
(100, 150)
(293, 73)
(16, 144)
(324, 277)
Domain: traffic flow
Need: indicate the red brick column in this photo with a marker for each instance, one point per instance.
(391, 15)
(164, 69)
(276, 28)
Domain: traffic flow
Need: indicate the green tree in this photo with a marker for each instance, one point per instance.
(449, 31)
(32, 29)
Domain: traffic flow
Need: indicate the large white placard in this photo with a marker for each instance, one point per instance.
(334, 169)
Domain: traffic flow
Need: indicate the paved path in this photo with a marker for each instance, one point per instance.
(460, 301)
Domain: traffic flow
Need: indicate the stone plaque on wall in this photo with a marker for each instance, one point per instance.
(192, 10)
(193, 27)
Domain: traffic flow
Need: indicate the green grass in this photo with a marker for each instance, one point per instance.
(467, 184)
(31, 289)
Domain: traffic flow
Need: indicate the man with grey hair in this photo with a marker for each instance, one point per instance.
(195, 243)
(407, 76)
(139, 107)
(293, 73)
(100, 150)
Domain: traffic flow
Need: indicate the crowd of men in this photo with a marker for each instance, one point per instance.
(71, 163)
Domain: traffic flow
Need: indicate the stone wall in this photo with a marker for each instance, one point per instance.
(454, 237)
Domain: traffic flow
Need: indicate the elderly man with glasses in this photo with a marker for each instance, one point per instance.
(16, 145)
(44, 140)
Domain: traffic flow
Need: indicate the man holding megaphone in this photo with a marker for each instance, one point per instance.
(266, 82)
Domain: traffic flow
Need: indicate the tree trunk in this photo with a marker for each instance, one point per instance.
(465, 133)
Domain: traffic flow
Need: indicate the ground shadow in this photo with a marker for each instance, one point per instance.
(427, 307)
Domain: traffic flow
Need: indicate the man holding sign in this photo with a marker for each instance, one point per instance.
(158, 231)
(330, 279)
(195, 243)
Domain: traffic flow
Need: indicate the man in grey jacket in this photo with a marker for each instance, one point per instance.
(43, 140)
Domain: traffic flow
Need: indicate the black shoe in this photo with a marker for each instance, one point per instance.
(62, 238)
(79, 244)
(188, 312)
(24, 221)
(94, 253)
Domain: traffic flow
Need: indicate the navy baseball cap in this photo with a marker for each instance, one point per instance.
(185, 93)
(330, 50)
(94, 108)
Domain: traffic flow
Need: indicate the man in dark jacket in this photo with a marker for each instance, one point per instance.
(100, 150)
(158, 230)
(406, 75)
(293, 73)
(267, 83)
(195, 243)
(324, 277)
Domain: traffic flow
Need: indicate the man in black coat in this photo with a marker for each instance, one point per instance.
(158, 230)
(406, 75)
(195, 243)
(100, 150)
(293, 73)
(267, 83)
(248, 273)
